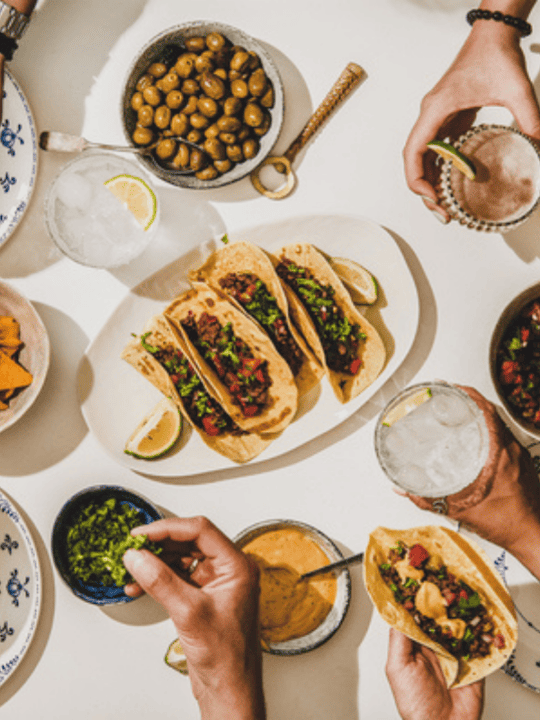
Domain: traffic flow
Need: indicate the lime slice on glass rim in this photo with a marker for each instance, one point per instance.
(359, 282)
(175, 657)
(157, 432)
(406, 406)
(448, 152)
(137, 196)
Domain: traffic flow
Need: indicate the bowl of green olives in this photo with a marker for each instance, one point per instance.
(211, 85)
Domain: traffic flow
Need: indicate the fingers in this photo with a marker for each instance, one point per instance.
(199, 530)
(400, 651)
(155, 578)
(526, 111)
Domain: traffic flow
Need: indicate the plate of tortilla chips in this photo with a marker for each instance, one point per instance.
(24, 355)
(218, 332)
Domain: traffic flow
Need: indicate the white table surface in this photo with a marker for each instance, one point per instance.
(90, 663)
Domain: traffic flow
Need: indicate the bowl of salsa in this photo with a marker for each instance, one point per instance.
(515, 359)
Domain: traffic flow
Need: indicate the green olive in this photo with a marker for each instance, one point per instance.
(190, 87)
(228, 138)
(254, 60)
(267, 100)
(215, 41)
(264, 127)
(253, 115)
(144, 81)
(157, 69)
(223, 166)
(145, 116)
(195, 136)
(198, 160)
(208, 106)
(191, 105)
(137, 101)
(215, 149)
(181, 159)
(234, 153)
(240, 61)
(195, 44)
(213, 86)
(166, 149)
(205, 62)
(212, 131)
(232, 106)
(209, 173)
(185, 65)
(239, 88)
(250, 148)
(174, 99)
(152, 95)
(199, 121)
(180, 124)
(162, 117)
(171, 81)
(229, 124)
(142, 136)
(257, 83)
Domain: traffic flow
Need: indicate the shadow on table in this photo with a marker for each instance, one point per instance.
(323, 683)
(38, 644)
(53, 427)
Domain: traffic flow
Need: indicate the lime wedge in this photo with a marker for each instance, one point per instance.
(176, 658)
(136, 195)
(360, 284)
(157, 432)
(449, 152)
(406, 406)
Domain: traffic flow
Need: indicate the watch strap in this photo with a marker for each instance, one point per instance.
(12, 22)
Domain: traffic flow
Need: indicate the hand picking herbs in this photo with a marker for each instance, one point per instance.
(98, 539)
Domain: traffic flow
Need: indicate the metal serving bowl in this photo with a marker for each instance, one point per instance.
(152, 51)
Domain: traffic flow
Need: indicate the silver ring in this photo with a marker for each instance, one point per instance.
(193, 566)
(440, 506)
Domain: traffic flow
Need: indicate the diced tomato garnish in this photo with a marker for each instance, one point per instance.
(525, 332)
(209, 426)
(234, 388)
(355, 366)
(249, 410)
(509, 369)
(499, 641)
(408, 605)
(259, 375)
(417, 555)
(175, 378)
(449, 596)
(462, 595)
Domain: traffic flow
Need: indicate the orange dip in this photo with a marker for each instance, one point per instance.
(289, 607)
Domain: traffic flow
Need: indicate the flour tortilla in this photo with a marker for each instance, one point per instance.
(371, 350)
(467, 562)
(282, 394)
(243, 257)
(239, 448)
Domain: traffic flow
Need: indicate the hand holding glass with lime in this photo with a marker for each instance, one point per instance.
(101, 210)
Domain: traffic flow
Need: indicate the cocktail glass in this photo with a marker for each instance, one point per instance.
(87, 221)
(432, 440)
(506, 190)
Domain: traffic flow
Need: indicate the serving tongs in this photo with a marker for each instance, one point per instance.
(64, 142)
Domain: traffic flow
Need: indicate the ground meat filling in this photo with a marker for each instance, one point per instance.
(245, 376)
(203, 410)
(340, 338)
(462, 602)
(253, 295)
(518, 364)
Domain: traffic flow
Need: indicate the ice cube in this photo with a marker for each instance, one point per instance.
(74, 191)
(414, 479)
(450, 409)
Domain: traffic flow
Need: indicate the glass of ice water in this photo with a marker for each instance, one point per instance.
(101, 210)
(506, 189)
(432, 440)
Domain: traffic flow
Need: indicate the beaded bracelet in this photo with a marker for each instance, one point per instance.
(521, 26)
(7, 46)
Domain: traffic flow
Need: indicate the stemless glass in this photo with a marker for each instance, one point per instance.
(506, 190)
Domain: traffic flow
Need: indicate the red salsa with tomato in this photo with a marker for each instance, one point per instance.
(245, 376)
(518, 364)
(202, 409)
(250, 291)
(444, 607)
(340, 338)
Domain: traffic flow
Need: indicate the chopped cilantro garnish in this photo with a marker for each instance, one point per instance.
(225, 239)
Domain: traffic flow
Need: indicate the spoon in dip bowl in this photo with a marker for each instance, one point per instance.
(352, 560)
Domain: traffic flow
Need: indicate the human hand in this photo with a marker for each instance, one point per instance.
(503, 504)
(470, 83)
(214, 610)
(419, 687)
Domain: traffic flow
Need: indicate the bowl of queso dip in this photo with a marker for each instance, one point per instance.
(296, 615)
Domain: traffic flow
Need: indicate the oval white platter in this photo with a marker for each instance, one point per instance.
(20, 588)
(114, 397)
(18, 156)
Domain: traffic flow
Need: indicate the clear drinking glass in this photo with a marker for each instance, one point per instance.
(87, 221)
(506, 190)
(432, 440)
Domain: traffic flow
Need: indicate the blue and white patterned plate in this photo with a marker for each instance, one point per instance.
(18, 157)
(20, 588)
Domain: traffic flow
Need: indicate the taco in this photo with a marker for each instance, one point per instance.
(246, 274)
(442, 591)
(240, 364)
(346, 344)
(159, 354)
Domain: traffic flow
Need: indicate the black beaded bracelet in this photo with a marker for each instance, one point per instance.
(7, 46)
(522, 26)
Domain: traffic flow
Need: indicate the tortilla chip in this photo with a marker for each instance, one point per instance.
(243, 257)
(239, 448)
(371, 351)
(282, 401)
(12, 375)
(467, 562)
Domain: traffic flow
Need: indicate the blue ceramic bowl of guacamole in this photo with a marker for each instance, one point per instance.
(86, 523)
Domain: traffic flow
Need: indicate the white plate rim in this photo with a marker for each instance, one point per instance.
(385, 246)
(10, 660)
(6, 234)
